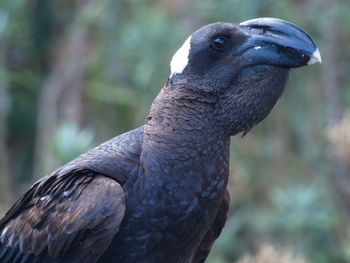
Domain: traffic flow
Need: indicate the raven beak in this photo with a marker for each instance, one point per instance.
(273, 41)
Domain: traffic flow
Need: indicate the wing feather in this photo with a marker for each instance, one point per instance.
(66, 218)
(214, 232)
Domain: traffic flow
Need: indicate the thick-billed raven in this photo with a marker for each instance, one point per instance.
(158, 193)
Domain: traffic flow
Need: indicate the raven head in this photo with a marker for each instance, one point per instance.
(245, 66)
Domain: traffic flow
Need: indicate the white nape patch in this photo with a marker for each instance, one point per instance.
(180, 59)
(315, 57)
(257, 47)
(46, 197)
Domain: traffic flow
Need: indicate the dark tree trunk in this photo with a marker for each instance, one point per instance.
(60, 100)
(6, 189)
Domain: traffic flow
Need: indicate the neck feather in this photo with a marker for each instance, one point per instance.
(183, 142)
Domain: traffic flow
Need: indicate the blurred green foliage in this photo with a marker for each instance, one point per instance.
(69, 142)
(282, 178)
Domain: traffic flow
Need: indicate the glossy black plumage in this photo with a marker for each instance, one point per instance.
(158, 193)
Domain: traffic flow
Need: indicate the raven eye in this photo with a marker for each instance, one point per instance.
(219, 44)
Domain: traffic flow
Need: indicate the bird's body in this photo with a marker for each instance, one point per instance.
(157, 193)
(185, 174)
(146, 228)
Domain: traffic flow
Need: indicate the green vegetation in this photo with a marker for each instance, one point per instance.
(75, 73)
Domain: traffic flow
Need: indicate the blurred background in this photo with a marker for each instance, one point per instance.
(74, 73)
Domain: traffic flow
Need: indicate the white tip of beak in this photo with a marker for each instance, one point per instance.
(316, 57)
